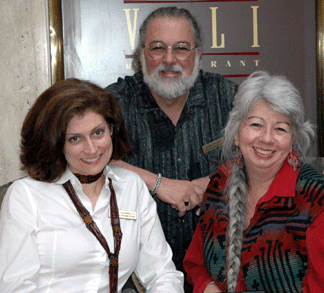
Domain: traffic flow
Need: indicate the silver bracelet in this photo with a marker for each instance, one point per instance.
(157, 184)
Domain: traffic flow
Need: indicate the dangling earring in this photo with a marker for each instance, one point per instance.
(292, 161)
(237, 153)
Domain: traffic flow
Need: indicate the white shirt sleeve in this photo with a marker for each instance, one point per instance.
(19, 258)
(155, 268)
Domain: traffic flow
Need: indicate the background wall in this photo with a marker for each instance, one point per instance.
(25, 66)
(24, 73)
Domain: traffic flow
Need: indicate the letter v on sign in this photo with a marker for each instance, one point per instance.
(131, 31)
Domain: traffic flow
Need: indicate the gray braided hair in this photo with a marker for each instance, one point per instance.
(237, 214)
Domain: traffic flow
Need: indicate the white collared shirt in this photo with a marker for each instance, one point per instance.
(46, 247)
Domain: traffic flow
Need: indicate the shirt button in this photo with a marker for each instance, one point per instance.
(179, 160)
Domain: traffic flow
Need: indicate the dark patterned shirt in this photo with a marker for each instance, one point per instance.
(176, 151)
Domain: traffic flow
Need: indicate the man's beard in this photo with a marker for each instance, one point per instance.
(170, 87)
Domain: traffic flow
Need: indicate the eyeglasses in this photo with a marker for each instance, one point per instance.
(158, 50)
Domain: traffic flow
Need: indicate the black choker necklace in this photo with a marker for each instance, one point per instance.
(87, 179)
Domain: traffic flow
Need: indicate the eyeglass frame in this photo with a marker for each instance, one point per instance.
(166, 50)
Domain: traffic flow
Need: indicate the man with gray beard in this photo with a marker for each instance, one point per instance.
(174, 114)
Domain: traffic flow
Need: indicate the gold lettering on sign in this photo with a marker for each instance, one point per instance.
(234, 63)
(128, 66)
(131, 31)
(255, 27)
(214, 30)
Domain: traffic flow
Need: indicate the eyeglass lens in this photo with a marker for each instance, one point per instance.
(158, 50)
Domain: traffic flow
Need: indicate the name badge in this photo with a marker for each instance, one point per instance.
(213, 145)
(128, 215)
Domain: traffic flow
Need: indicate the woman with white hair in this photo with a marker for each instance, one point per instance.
(261, 221)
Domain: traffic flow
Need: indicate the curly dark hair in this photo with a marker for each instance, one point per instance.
(44, 128)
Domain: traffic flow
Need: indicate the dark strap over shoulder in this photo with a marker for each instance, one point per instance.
(91, 225)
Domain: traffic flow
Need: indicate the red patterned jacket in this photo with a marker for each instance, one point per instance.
(282, 251)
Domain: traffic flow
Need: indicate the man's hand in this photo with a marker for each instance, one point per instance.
(202, 183)
(174, 192)
(183, 195)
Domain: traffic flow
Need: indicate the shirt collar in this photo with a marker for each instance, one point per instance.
(283, 185)
(108, 172)
(67, 175)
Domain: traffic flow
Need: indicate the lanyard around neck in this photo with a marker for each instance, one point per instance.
(91, 225)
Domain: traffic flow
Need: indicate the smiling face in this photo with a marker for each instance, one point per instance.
(169, 77)
(88, 146)
(265, 138)
(170, 31)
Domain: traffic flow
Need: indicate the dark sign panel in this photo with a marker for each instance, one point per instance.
(239, 37)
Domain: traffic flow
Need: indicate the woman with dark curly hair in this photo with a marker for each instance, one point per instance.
(75, 224)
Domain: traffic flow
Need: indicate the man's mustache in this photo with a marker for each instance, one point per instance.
(168, 67)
